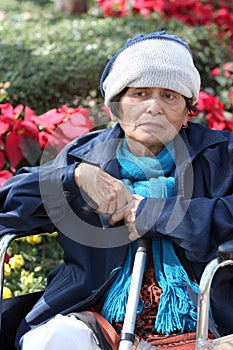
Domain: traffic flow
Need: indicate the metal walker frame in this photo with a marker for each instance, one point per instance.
(224, 258)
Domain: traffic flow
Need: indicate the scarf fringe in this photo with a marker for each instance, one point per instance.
(116, 297)
(176, 311)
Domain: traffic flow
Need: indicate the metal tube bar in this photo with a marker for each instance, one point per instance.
(204, 300)
(4, 244)
(133, 298)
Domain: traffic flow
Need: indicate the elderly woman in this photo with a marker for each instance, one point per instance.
(154, 174)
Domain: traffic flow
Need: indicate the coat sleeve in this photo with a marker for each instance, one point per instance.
(198, 225)
(29, 197)
(199, 217)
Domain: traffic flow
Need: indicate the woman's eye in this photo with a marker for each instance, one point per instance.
(140, 93)
(168, 95)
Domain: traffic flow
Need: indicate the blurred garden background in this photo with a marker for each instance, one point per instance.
(52, 57)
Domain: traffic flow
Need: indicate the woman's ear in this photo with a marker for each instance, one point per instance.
(185, 119)
(113, 117)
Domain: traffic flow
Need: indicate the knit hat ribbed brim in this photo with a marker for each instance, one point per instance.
(152, 60)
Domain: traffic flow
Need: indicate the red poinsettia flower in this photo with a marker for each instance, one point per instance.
(4, 125)
(215, 72)
(116, 8)
(43, 138)
(208, 103)
(49, 120)
(2, 154)
(7, 110)
(4, 175)
(8, 115)
(189, 11)
(216, 120)
(230, 125)
(52, 143)
(75, 122)
(214, 109)
(70, 110)
(76, 125)
(19, 126)
(60, 126)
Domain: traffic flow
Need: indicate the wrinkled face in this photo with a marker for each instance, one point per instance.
(151, 117)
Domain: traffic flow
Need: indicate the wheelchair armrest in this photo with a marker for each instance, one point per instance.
(4, 244)
(225, 250)
(224, 258)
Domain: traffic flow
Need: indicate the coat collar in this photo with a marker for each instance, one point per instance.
(99, 147)
(198, 137)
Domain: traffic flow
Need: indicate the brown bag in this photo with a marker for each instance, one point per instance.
(103, 330)
(109, 332)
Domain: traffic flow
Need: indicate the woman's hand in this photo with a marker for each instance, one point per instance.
(128, 214)
(109, 193)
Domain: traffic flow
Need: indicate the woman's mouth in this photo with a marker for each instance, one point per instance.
(152, 125)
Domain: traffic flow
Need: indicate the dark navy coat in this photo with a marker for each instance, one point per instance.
(197, 218)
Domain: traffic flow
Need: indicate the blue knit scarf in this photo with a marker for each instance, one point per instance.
(146, 177)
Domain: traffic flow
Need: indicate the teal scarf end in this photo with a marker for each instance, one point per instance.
(176, 310)
(116, 297)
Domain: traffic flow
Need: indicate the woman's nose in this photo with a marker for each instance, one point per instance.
(154, 105)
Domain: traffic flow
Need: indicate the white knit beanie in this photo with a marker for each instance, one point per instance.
(152, 60)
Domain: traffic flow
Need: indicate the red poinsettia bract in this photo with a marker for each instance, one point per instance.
(4, 175)
(214, 111)
(21, 129)
(191, 12)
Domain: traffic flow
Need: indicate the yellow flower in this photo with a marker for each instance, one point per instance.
(53, 234)
(6, 293)
(16, 261)
(27, 277)
(36, 239)
(7, 269)
(28, 280)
